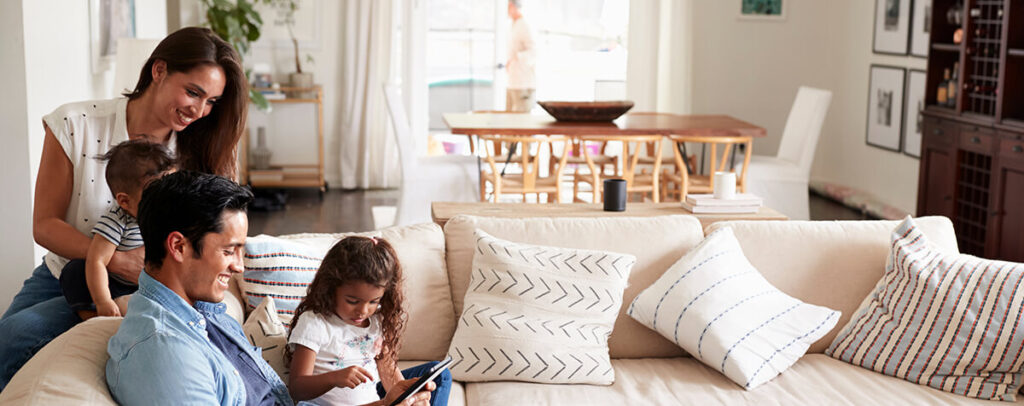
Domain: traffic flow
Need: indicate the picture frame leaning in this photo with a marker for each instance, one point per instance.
(912, 109)
(892, 27)
(886, 88)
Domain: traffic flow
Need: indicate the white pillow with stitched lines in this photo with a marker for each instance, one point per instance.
(715, 305)
(538, 314)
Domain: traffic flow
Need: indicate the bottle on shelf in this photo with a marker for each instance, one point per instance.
(941, 94)
(951, 86)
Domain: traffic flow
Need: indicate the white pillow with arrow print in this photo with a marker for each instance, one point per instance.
(538, 314)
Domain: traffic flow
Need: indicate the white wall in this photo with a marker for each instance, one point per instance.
(16, 239)
(46, 62)
(752, 69)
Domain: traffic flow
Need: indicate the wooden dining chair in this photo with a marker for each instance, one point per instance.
(638, 181)
(686, 180)
(526, 178)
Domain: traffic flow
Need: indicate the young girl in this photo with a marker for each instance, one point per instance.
(345, 333)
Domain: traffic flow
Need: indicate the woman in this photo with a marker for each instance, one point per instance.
(192, 97)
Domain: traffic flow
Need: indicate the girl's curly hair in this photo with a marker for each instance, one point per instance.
(360, 259)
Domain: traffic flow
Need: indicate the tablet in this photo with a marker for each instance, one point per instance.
(427, 377)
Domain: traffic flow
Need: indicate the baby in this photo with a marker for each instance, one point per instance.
(87, 286)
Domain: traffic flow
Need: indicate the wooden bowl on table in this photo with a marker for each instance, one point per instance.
(586, 111)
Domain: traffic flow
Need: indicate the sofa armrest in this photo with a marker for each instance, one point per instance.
(70, 370)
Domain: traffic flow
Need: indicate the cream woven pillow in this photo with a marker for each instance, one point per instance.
(265, 330)
(538, 314)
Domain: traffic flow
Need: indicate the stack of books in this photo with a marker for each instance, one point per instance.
(742, 203)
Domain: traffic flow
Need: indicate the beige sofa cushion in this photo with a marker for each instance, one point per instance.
(70, 370)
(827, 263)
(657, 243)
(814, 380)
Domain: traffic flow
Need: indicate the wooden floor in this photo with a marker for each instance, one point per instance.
(347, 211)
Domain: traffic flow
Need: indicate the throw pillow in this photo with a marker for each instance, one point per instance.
(715, 305)
(538, 314)
(264, 330)
(280, 270)
(942, 319)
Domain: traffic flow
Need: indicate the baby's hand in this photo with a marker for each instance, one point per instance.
(107, 308)
(351, 377)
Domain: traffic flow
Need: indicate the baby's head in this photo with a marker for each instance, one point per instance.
(131, 165)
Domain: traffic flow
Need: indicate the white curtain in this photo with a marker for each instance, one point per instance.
(660, 44)
(366, 152)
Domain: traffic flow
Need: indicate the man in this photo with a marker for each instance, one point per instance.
(176, 345)
(522, 82)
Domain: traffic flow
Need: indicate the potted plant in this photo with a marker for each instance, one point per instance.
(297, 78)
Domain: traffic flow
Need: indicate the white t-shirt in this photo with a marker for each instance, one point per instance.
(339, 345)
(521, 46)
(86, 130)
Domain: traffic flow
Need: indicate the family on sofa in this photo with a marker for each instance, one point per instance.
(536, 311)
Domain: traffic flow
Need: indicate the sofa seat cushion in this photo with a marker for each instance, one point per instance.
(656, 242)
(814, 380)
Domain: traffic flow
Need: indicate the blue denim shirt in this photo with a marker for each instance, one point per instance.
(161, 353)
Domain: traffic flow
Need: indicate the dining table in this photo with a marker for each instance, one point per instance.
(680, 127)
(628, 124)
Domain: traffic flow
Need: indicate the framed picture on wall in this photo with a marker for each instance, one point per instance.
(892, 26)
(920, 28)
(762, 9)
(912, 109)
(108, 21)
(885, 107)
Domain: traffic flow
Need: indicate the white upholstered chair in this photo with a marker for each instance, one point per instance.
(782, 180)
(450, 178)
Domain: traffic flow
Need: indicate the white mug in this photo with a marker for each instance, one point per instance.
(725, 185)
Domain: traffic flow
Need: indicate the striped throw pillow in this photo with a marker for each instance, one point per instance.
(278, 269)
(946, 320)
(715, 305)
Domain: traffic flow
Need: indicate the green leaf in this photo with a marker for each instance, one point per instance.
(259, 101)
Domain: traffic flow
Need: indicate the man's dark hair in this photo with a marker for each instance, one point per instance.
(131, 163)
(190, 203)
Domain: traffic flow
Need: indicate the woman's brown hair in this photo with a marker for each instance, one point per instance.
(360, 259)
(208, 144)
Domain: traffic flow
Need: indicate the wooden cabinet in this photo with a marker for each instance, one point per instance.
(938, 165)
(972, 147)
(1008, 210)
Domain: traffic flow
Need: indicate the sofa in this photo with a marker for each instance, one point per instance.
(827, 263)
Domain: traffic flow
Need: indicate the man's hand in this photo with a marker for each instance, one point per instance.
(127, 264)
(351, 377)
(107, 308)
(421, 398)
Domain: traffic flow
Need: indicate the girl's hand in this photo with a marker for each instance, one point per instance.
(351, 377)
(107, 308)
(421, 398)
(127, 264)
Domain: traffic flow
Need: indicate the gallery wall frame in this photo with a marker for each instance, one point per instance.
(912, 109)
(108, 21)
(892, 27)
(886, 87)
(920, 27)
(764, 10)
